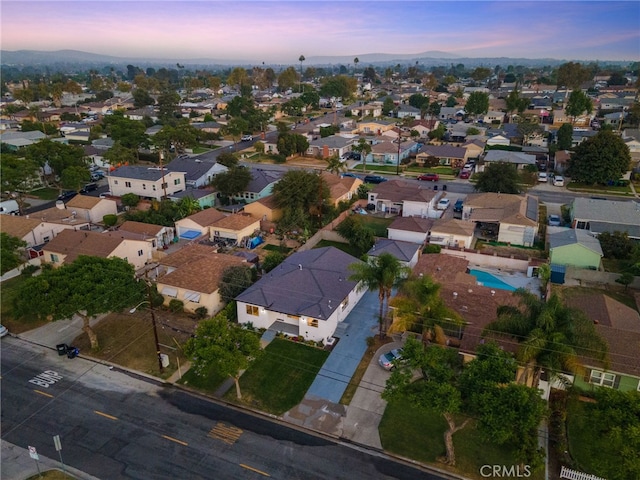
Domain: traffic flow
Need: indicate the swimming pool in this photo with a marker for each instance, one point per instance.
(491, 281)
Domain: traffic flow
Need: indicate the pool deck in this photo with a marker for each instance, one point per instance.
(515, 279)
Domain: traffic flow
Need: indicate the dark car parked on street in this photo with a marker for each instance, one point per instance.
(68, 195)
(374, 179)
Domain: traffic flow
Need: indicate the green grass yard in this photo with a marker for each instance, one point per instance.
(45, 194)
(377, 225)
(279, 379)
(345, 247)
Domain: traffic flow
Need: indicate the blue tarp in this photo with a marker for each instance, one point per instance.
(254, 242)
(190, 234)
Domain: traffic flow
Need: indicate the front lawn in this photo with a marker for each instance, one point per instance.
(45, 193)
(278, 381)
(419, 434)
(276, 248)
(9, 290)
(597, 188)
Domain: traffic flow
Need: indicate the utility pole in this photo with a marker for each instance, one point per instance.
(153, 320)
(399, 143)
(164, 184)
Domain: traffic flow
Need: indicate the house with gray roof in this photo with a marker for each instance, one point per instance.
(146, 182)
(199, 170)
(576, 248)
(307, 295)
(407, 199)
(261, 184)
(407, 253)
(446, 154)
(519, 159)
(329, 146)
(17, 140)
(597, 216)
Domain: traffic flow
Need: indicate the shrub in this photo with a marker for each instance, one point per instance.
(110, 220)
(29, 270)
(176, 306)
(201, 313)
(130, 200)
(432, 249)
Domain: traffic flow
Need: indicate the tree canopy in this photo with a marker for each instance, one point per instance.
(499, 177)
(234, 281)
(477, 103)
(233, 181)
(565, 136)
(599, 159)
(222, 346)
(578, 104)
(17, 175)
(88, 287)
(11, 255)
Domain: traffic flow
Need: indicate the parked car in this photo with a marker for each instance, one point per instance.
(429, 177)
(443, 204)
(554, 220)
(247, 138)
(464, 174)
(68, 195)
(457, 207)
(349, 174)
(542, 177)
(89, 187)
(374, 179)
(3, 331)
(97, 175)
(388, 360)
(558, 181)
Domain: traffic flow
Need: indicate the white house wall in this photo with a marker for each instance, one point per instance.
(419, 209)
(406, 236)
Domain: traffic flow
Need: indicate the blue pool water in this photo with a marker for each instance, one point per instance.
(487, 280)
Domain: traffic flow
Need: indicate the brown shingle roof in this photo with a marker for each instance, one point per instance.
(188, 254)
(499, 207)
(17, 226)
(623, 350)
(604, 310)
(453, 226)
(85, 201)
(206, 217)
(140, 228)
(237, 221)
(268, 201)
(202, 274)
(412, 224)
(74, 243)
(398, 191)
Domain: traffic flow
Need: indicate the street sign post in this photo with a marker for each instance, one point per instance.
(34, 454)
(58, 444)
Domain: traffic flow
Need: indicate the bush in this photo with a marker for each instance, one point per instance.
(432, 249)
(201, 313)
(29, 270)
(279, 158)
(176, 306)
(272, 260)
(130, 200)
(110, 220)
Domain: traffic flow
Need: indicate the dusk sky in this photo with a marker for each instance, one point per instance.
(280, 31)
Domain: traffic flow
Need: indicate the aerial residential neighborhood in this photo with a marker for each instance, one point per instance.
(421, 265)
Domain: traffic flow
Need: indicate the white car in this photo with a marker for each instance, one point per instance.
(443, 204)
(558, 181)
(387, 360)
(3, 331)
(247, 138)
(542, 177)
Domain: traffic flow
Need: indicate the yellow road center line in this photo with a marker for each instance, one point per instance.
(254, 470)
(43, 393)
(110, 417)
(175, 440)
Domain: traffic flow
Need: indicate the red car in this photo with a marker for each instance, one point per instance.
(465, 174)
(429, 177)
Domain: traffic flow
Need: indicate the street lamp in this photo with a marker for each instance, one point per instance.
(153, 322)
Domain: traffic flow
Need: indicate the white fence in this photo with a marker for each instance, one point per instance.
(574, 475)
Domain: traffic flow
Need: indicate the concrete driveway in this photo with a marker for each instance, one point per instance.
(365, 411)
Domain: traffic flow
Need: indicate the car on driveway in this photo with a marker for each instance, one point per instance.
(429, 177)
(554, 220)
(374, 179)
(443, 204)
(464, 174)
(558, 181)
(458, 206)
(388, 360)
(542, 177)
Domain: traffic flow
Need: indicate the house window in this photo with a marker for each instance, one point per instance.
(164, 185)
(154, 188)
(312, 322)
(46, 238)
(54, 258)
(604, 379)
(127, 184)
(144, 186)
(252, 310)
(115, 182)
(176, 181)
(140, 253)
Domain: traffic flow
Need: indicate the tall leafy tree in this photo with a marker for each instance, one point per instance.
(335, 165)
(359, 236)
(565, 136)
(176, 137)
(551, 336)
(599, 159)
(234, 281)
(233, 181)
(291, 143)
(340, 86)
(17, 175)
(236, 127)
(477, 103)
(382, 273)
(224, 347)
(88, 287)
(571, 75)
(57, 156)
(578, 104)
(498, 177)
(11, 252)
(364, 149)
(300, 189)
(287, 79)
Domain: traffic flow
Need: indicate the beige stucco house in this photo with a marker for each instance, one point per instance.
(264, 209)
(452, 232)
(92, 209)
(236, 227)
(198, 224)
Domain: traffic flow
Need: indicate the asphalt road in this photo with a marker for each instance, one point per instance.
(114, 425)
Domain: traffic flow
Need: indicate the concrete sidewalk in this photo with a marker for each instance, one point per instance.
(17, 464)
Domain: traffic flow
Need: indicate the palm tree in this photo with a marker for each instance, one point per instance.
(551, 335)
(381, 273)
(418, 307)
(301, 59)
(335, 165)
(364, 149)
(356, 61)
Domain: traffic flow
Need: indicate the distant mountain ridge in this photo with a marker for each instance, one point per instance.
(428, 58)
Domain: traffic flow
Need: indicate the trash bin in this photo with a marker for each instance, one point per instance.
(62, 349)
(444, 187)
(72, 352)
(435, 187)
